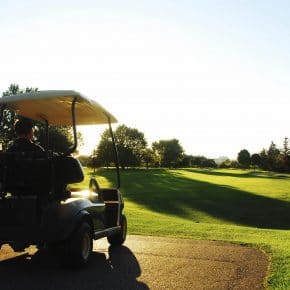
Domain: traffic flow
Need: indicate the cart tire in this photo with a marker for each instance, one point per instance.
(119, 239)
(78, 248)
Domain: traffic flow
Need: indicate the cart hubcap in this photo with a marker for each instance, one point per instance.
(86, 246)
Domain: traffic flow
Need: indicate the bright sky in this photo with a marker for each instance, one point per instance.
(213, 74)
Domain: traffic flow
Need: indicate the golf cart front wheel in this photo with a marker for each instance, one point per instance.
(79, 246)
(119, 239)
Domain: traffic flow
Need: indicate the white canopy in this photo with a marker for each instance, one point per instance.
(56, 106)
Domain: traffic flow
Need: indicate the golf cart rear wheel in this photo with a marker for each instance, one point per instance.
(119, 239)
(79, 246)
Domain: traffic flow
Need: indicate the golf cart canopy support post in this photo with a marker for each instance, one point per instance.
(73, 114)
(116, 153)
(2, 108)
(46, 135)
(1, 113)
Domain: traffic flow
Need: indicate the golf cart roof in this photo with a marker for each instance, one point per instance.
(56, 108)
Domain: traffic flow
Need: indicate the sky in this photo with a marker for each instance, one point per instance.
(213, 74)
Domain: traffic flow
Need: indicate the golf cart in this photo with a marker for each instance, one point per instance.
(36, 206)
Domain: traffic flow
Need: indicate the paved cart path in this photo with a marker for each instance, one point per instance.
(142, 263)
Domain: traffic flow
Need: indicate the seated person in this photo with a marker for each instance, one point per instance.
(23, 143)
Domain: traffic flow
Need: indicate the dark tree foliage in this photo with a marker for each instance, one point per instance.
(148, 158)
(273, 159)
(264, 160)
(130, 145)
(226, 164)
(210, 163)
(229, 164)
(84, 160)
(286, 155)
(103, 154)
(256, 160)
(170, 152)
(198, 161)
(60, 137)
(203, 162)
(244, 158)
(187, 161)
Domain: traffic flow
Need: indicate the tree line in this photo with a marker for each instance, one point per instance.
(133, 151)
(271, 159)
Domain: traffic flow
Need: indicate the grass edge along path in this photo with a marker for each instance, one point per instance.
(149, 216)
(274, 242)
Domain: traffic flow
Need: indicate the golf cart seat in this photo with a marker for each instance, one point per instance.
(25, 173)
(36, 173)
(68, 170)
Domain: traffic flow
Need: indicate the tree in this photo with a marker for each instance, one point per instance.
(210, 163)
(244, 158)
(103, 154)
(226, 164)
(256, 160)
(84, 160)
(286, 155)
(273, 157)
(198, 161)
(60, 137)
(229, 164)
(234, 164)
(187, 161)
(170, 152)
(130, 144)
(203, 162)
(286, 150)
(148, 158)
(264, 159)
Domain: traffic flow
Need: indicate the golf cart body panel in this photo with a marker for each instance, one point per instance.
(36, 205)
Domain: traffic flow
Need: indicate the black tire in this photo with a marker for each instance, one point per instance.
(78, 248)
(119, 239)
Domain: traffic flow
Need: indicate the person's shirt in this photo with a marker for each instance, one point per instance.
(24, 145)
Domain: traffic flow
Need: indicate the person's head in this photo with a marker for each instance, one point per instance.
(24, 128)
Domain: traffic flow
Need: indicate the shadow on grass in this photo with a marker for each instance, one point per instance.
(168, 192)
(247, 174)
(41, 271)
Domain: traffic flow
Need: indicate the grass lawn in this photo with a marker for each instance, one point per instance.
(230, 205)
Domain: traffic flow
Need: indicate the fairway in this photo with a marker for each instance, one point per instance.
(239, 206)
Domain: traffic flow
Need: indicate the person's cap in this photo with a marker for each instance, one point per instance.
(23, 126)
